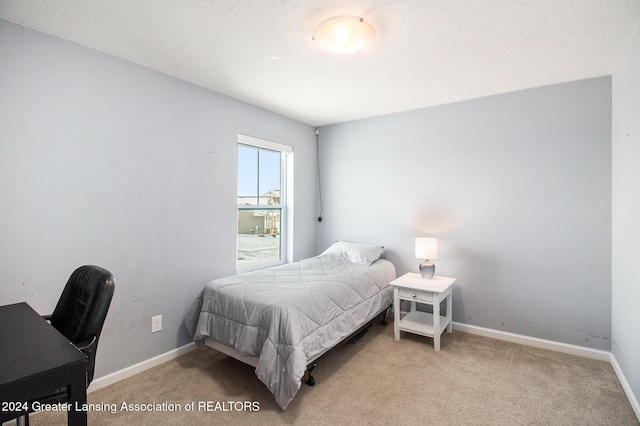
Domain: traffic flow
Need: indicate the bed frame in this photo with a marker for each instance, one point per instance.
(253, 360)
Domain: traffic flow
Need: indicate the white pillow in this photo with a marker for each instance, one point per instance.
(362, 254)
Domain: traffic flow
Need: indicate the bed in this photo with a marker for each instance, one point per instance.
(281, 319)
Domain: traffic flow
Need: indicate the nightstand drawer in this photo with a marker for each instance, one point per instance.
(415, 296)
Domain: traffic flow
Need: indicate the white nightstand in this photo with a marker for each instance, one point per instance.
(416, 289)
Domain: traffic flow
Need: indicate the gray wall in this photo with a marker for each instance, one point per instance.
(625, 326)
(516, 186)
(106, 162)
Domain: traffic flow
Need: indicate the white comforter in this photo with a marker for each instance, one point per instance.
(290, 314)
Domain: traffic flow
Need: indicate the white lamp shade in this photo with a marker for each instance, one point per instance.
(427, 248)
(344, 34)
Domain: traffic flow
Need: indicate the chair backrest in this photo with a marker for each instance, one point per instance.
(83, 306)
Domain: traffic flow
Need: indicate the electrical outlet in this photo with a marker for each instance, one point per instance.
(156, 323)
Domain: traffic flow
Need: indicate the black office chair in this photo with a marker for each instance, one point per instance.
(79, 316)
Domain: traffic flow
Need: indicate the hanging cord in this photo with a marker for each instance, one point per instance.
(318, 169)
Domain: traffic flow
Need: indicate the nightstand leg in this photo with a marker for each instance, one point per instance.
(450, 312)
(396, 314)
(436, 324)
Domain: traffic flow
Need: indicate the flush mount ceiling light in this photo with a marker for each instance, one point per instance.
(344, 34)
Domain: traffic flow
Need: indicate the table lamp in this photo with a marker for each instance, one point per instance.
(427, 248)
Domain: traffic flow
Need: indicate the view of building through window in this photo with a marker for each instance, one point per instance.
(259, 206)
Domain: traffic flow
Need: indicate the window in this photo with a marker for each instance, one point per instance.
(262, 179)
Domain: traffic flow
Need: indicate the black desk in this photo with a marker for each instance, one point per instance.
(35, 358)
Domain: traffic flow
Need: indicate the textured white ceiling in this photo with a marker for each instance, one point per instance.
(426, 52)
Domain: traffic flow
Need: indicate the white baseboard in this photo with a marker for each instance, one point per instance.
(534, 341)
(125, 373)
(559, 347)
(115, 377)
(625, 385)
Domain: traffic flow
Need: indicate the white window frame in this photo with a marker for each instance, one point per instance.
(286, 199)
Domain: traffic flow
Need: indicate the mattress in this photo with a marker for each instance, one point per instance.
(290, 314)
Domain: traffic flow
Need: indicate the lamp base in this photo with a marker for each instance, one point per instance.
(427, 269)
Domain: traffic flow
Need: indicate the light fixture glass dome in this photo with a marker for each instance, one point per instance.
(344, 34)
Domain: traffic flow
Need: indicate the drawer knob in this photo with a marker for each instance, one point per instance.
(414, 296)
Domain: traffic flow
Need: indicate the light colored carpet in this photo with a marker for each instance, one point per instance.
(473, 380)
